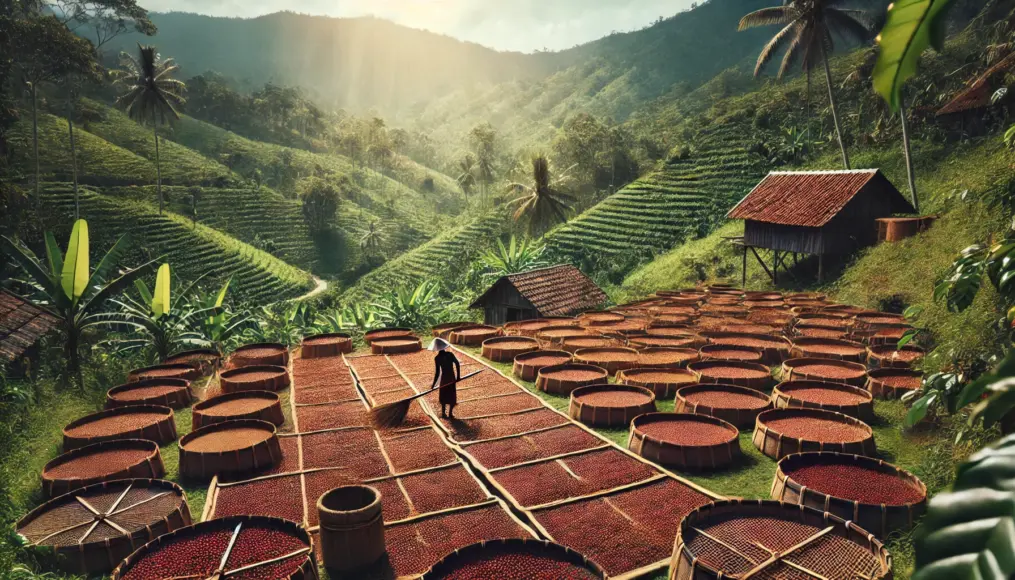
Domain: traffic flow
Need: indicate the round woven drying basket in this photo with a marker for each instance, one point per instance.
(591, 406)
(838, 397)
(880, 512)
(736, 405)
(152, 422)
(777, 444)
(85, 542)
(382, 333)
(830, 348)
(506, 348)
(165, 549)
(808, 331)
(700, 442)
(555, 336)
(165, 371)
(266, 353)
(485, 559)
(893, 383)
(598, 318)
(889, 335)
(661, 357)
(613, 359)
(172, 393)
(205, 360)
(728, 352)
(322, 345)
(774, 349)
(878, 320)
(824, 369)
(442, 330)
(890, 357)
(260, 405)
(730, 538)
(106, 461)
(229, 447)
(562, 379)
(473, 335)
(576, 343)
(254, 378)
(527, 366)
(396, 345)
(662, 382)
(744, 374)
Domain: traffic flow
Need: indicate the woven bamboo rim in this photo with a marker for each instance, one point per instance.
(783, 397)
(881, 519)
(161, 430)
(546, 382)
(775, 349)
(797, 369)
(441, 329)
(684, 456)
(306, 571)
(739, 417)
(506, 348)
(804, 330)
(526, 371)
(672, 330)
(452, 561)
(826, 319)
(728, 352)
(150, 467)
(393, 332)
(685, 565)
(555, 336)
(322, 345)
(811, 348)
(243, 356)
(476, 334)
(885, 356)
(608, 415)
(594, 357)
(175, 371)
(180, 397)
(205, 360)
(653, 341)
(888, 335)
(577, 343)
(776, 445)
(259, 454)
(396, 345)
(662, 389)
(880, 389)
(676, 358)
(780, 317)
(878, 320)
(230, 383)
(270, 412)
(762, 383)
(599, 317)
(101, 556)
(806, 296)
(845, 309)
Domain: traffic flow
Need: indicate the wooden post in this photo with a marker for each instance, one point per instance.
(821, 267)
(775, 266)
(743, 276)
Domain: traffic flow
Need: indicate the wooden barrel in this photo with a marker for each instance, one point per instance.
(106, 461)
(205, 360)
(266, 353)
(172, 393)
(254, 378)
(167, 371)
(261, 405)
(607, 405)
(322, 345)
(229, 447)
(352, 527)
(151, 422)
(685, 440)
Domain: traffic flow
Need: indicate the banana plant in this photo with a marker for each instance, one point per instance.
(69, 288)
(351, 317)
(410, 307)
(283, 322)
(222, 328)
(513, 258)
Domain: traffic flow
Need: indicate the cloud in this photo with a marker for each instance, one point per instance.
(524, 25)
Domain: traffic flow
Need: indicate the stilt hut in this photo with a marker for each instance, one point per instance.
(547, 292)
(814, 212)
(969, 109)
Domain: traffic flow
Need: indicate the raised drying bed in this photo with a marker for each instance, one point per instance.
(889, 335)
(515, 558)
(268, 353)
(167, 371)
(106, 461)
(577, 343)
(473, 335)
(893, 383)
(782, 432)
(685, 440)
(823, 369)
(397, 345)
(527, 366)
(875, 495)
(562, 379)
(838, 397)
(807, 331)
(555, 336)
(877, 320)
(204, 360)
(805, 347)
(229, 447)
(662, 357)
(261, 405)
(600, 318)
(151, 422)
(383, 333)
(890, 357)
(254, 378)
(506, 348)
(533, 327)
(322, 345)
(744, 374)
(775, 349)
(655, 341)
(738, 406)
(238, 547)
(442, 330)
(830, 320)
(131, 513)
(172, 393)
(770, 539)
(662, 382)
(608, 405)
(729, 352)
(614, 359)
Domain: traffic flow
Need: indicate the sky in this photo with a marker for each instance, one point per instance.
(522, 25)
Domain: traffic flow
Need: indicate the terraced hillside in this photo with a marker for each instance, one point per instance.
(663, 209)
(192, 250)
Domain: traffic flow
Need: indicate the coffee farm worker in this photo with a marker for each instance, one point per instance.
(447, 370)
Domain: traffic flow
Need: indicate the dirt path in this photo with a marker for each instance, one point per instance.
(320, 286)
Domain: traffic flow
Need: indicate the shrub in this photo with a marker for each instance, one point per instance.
(320, 204)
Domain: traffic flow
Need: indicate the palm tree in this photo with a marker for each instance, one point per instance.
(542, 201)
(372, 237)
(807, 38)
(152, 94)
(467, 178)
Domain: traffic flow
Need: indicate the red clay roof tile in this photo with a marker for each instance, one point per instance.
(21, 325)
(801, 198)
(555, 291)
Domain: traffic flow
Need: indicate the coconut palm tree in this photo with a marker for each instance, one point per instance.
(543, 201)
(152, 94)
(807, 37)
(467, 178)
(372, 237)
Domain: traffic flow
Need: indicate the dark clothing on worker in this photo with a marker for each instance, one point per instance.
(448, 370)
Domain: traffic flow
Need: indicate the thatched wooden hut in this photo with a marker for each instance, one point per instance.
(556, 291)
(21, 326)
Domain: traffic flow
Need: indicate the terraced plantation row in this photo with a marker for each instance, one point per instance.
(659, 211)
(257, 276)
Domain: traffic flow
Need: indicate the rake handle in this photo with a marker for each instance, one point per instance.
(460, 379)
